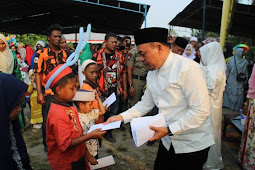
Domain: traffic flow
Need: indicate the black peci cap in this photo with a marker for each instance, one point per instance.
(181, 42)
(148, 35)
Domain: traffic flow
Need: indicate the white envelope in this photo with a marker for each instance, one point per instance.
(140, 127)
(110, 100)
(103, 162)
(112, 125)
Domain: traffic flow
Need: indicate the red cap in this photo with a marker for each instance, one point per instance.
(63, 73)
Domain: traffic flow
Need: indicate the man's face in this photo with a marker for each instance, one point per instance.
(125, 42)
(148, 55)
(63, 44)
(55, 38)
(177, 50)
(111, 43)
(194, 43)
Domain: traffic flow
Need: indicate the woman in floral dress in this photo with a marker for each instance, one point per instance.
(246, 155)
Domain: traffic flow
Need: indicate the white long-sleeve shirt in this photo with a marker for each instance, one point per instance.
(180, 92)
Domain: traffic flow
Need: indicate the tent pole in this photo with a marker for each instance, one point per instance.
(203, 27)
(145, 15)
(227, 10)
(75, 40)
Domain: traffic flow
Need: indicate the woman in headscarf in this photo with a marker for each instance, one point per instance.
(246, 150)
(189, 52)
(13, 151)
(234, 93)
(213, 66)
(38, 46)
(6, 56)
(9, 63)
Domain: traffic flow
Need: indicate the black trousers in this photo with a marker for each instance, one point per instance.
(45, 111)
(170, 160)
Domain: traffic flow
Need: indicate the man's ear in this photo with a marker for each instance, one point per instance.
(48, 38)
(159, 47)
(83, 72)
(58, 90)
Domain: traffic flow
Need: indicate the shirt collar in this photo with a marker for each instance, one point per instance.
(167, 61)
(51, 50)
(66, 104)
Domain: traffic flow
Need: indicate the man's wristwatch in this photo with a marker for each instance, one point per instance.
(130, 85)
(169, 131)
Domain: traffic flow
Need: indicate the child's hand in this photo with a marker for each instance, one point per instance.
(96, 95)
(106, 108)
(97, 133)
(92, 160)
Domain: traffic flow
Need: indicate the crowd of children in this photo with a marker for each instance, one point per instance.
(67, 125)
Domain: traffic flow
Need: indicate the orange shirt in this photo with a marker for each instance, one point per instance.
(111, 63)
(46, 60)
(62, 126)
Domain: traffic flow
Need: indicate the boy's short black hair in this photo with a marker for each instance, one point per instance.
(52, 28)
(62, 82)
(76, 103)
(110, 34)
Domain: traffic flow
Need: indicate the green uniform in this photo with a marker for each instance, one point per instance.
(138, 75)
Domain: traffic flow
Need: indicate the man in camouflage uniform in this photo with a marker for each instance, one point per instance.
(136, 73)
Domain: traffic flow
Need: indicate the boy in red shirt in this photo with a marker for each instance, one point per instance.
(64, 134)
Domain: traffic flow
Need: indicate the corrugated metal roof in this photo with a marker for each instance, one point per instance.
(242, 21)
(34, 16)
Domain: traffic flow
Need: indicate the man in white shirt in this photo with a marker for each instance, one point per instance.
(176, 86)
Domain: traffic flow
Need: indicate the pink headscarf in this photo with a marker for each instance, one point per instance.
(251, 91)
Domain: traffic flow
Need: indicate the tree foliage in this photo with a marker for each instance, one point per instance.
(231, 39)
(28, 39)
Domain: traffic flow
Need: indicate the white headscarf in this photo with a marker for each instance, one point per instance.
(6, 58)
(214, 63)
(41, 43)
(192, 55)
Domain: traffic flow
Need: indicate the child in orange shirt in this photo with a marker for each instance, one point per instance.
(83, 100)
(64, 134)
(90, 71)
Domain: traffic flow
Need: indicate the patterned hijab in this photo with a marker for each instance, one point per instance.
(6, 58)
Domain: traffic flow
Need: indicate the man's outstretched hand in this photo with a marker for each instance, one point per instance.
(114, 119)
